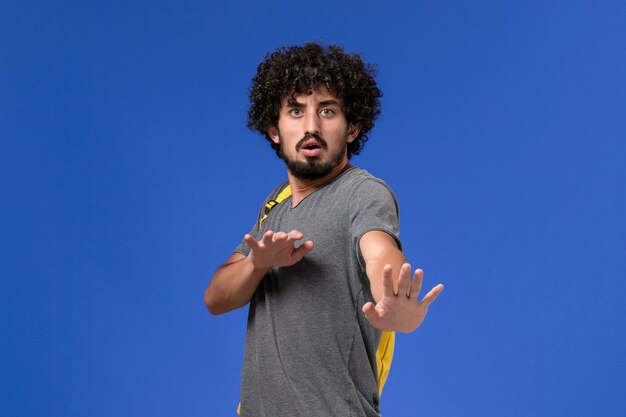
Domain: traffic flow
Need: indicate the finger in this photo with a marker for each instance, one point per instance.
(303, 249)
(295, 235)
(432, 295)
(267, 237)
(404, 281)
(387, 282)
(251, 242)
(416, 287)
(279, 237)
(371, 314)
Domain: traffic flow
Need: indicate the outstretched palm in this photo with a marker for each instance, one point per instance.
(399, 308)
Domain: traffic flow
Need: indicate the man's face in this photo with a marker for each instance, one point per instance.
(313, 133)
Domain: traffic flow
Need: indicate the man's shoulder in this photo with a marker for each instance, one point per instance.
(362, 181)
(359, 173)
(355, 176)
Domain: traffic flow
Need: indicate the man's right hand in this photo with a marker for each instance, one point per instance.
(277, 249)
(234, 283)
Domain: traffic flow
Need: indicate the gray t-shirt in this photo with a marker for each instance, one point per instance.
(309, 349)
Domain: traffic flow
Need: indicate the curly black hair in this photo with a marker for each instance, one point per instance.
(294, 70)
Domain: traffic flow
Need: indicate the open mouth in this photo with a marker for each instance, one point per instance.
(311, 147)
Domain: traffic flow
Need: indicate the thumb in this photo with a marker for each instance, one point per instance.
(303, 249)
(369, 310)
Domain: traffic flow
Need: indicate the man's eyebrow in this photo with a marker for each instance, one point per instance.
(329, 102)
(294, 103)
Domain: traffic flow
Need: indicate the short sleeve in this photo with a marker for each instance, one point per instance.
(373, 206)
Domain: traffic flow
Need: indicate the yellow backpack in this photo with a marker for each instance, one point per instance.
(384, 353)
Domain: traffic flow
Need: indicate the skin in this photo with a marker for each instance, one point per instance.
(233, 284)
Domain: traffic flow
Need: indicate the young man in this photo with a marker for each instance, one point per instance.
(322, 269)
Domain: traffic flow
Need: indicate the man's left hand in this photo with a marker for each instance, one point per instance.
(399, 308)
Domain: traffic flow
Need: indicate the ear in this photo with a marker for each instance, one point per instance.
(272, 132)
(353, 132)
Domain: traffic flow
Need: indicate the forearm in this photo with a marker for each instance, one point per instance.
(388, 255)
(379, 249)
(233, 285)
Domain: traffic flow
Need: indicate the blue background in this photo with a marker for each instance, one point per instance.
(127, 176)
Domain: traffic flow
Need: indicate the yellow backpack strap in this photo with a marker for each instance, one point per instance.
(384, 355)
(284, 193)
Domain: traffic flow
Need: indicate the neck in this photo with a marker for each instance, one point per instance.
(301, 188)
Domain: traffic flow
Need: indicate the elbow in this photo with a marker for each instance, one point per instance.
(214, 309)
(217, 303)
(212, 304)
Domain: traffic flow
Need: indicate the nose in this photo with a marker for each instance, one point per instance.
(312, 123)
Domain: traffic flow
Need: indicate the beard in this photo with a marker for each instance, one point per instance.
(312, 168)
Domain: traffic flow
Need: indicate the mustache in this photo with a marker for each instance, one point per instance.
(308, 136)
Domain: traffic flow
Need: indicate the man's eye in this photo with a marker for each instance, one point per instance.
(295, 112)
(328, 112)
